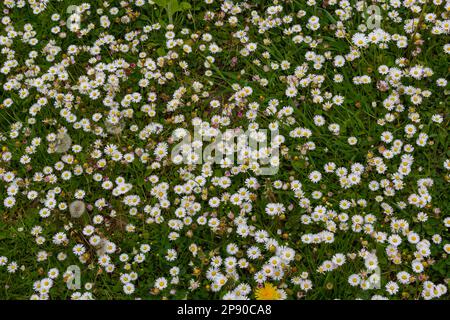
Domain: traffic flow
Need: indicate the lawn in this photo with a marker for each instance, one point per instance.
(214, 149)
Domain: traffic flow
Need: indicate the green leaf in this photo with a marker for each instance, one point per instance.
(172, 7)
(332, 19)
(161, 3)
(161, 52)
(185, 6)
(140, 181)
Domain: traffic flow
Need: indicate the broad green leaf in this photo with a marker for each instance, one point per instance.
(185, 6)
(172, 7)
(161, 3)
(161, 51)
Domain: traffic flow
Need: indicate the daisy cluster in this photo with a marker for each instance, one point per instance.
(95, 95)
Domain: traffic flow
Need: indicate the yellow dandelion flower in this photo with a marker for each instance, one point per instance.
(268, 292)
